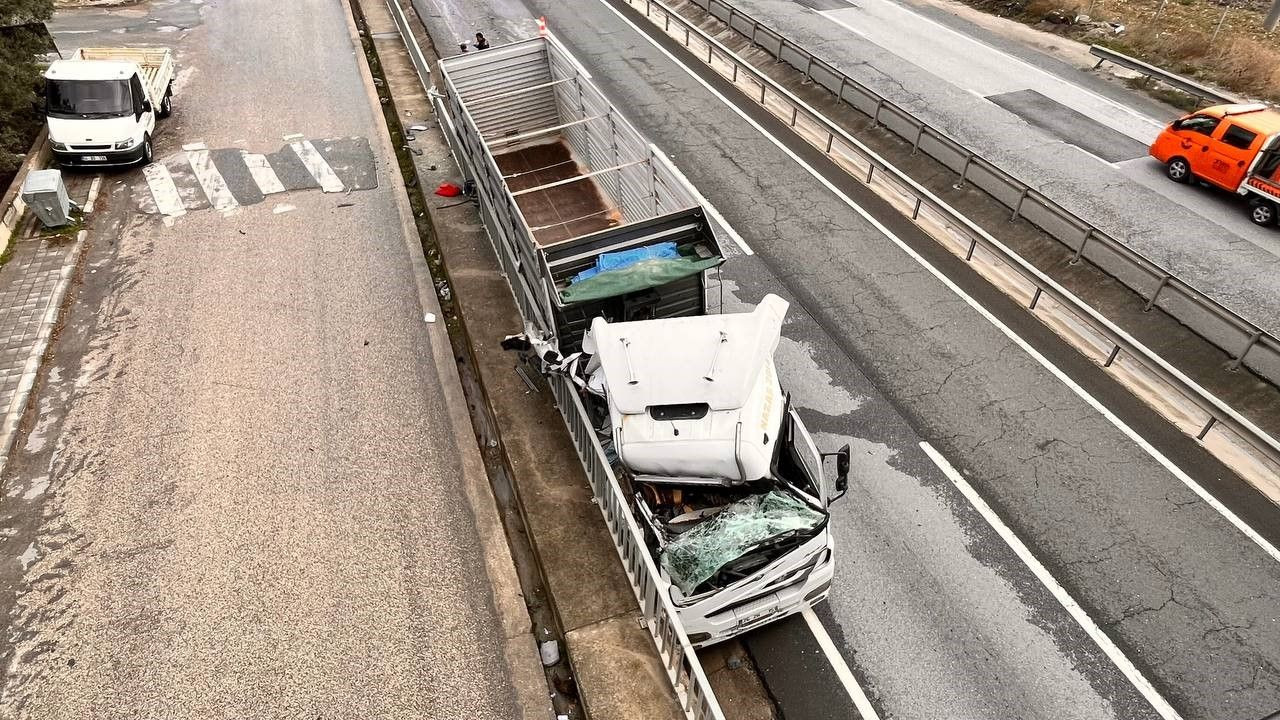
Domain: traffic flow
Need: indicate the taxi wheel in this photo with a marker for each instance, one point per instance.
(1263, 212)
(1179, 170)
(146, 149)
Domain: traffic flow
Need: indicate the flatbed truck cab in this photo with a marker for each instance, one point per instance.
(101, 105)
(1232, 147)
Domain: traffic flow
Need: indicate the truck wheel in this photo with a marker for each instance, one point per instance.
(146, 149)
(1262, 212)
(166, 105)
(1179, 170)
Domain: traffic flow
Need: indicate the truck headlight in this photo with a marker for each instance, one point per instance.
(126, 144)
(57, 145)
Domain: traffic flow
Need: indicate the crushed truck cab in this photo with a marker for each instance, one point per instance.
(101, 104)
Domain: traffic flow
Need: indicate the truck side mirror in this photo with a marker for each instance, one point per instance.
(842, 470)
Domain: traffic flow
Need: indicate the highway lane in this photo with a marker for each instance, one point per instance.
(1059, 105)
(249, 484)
(1231, 268)
(934, 614)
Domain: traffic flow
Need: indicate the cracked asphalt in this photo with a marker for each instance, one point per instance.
(246, 489)
(931, 610)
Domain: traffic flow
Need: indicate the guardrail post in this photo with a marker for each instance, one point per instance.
(762, 87)
(795, 112)
(1112, 357)
(1035, 298)
(840, 92)
(729, 22)
(647, 6)
(915, 146)
(831, 138)
(735, 73)
(973, 245)
(871, 168)
(686, 36)
(1018, 208)
(915, 214)
(1152, 302)
(808, 67)
(964, 172)
(1207, 427)
(666, 23)
(875, 119)
(1253, 340)
(1088, 233)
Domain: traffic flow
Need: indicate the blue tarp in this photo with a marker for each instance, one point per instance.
(625, 258)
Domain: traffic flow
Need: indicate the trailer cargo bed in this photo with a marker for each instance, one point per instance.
(565, 179)
(568, 208)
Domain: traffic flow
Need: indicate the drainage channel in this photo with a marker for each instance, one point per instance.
(562, 686)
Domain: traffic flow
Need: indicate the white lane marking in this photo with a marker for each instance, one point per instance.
(851, 686)
(215, 187)
(94, 187)
(1153, 125)
(263, 174)
(316, 165)
(1080, 392)
(164, 190)
(1060, 593)
(197, 145)
(711, 209)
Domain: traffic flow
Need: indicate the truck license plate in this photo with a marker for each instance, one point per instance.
(95, 158)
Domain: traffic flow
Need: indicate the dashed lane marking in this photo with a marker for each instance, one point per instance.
(1077, 613)
(316, 165)
(164, 190)
(851, 686)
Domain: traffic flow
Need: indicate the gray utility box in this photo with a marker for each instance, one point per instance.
(44, 192)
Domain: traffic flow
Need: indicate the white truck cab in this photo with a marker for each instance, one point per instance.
(101, 104)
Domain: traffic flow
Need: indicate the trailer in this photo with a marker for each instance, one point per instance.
(715, 493)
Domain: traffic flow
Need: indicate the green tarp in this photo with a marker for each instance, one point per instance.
(640, 276)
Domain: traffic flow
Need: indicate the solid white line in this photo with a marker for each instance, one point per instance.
(215, 187)
(263, 174)
(1072, 607)
(1080, 392)
(94, 187)
(851, 686)
(316, 165)
(164, 190)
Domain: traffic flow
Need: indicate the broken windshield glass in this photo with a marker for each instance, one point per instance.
(699, 553)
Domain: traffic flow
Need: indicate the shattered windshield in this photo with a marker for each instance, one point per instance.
(88, 98)
(698, 554)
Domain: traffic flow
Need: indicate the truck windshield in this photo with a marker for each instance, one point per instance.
(88, 98)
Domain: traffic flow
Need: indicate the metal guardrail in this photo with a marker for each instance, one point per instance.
(1186, 85)
(1244, 341)
(683, 668)
(931, 213)
(688, 679)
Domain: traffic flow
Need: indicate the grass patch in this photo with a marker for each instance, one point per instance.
(1178, 36)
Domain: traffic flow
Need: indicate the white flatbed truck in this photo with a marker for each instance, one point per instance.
(101, 104)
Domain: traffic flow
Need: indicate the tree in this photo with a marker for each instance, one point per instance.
(22, 42)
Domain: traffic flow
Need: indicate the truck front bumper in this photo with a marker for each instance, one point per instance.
(752, 609)
(99, 158)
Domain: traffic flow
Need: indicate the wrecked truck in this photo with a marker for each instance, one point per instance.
(610, 254)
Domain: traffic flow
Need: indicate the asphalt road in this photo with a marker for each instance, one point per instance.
(929, 608)
(246, 484)
(944, 75)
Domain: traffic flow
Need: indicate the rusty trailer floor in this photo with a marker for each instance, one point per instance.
(562, 212)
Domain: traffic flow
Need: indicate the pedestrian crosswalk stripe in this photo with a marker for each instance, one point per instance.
(316, 165)
(163, 189)
(215, 188)
(262, 173)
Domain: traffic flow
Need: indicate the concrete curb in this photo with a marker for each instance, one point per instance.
(529, 682)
